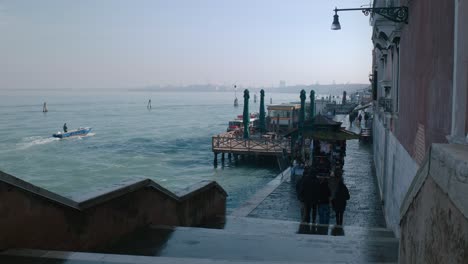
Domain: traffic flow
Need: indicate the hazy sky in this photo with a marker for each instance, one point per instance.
(112, 43)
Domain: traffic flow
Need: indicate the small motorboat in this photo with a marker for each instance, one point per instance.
(82, 131)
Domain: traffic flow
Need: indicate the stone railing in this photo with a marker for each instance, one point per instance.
(32, 217)
(434, 213)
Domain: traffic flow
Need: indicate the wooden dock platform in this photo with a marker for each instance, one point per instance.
(230, 143)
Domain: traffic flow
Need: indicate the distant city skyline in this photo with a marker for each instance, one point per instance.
(123, 44)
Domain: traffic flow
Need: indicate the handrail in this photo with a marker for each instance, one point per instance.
(93, 199)
(250, 145)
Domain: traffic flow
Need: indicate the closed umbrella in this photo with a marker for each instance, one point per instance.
(312, 105)
(246, 115)
(262, 111)
(302, 112)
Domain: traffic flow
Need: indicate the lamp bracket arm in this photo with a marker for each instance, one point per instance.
(397, 14)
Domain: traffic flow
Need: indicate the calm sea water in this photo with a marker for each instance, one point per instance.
(170, 144)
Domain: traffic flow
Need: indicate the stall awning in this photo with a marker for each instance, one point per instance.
(331, 135)
(362, 107)
(340, 134)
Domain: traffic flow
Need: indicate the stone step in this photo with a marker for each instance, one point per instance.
(242, 240)
(250, 225)
(237, 245)
(23, 256)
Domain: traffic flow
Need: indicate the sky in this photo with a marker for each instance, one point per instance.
(61, 44)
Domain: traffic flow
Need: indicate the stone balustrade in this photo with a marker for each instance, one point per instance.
(32, 217)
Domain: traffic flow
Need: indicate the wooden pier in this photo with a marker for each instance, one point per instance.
(264, 146)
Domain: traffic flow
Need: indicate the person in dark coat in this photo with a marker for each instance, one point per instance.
(324, 202)
(308, 190)
(339, 201)
(65, 128)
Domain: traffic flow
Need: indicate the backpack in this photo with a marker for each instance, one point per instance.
(299, 189)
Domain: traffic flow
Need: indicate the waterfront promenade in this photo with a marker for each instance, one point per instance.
(363, 209)
(255, 232)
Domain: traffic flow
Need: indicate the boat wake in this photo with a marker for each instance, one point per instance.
(40, 140)
(36, 140)
(80, 137)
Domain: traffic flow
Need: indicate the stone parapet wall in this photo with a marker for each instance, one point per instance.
(395, 170)
(200, 204)
(32, 217)
(434, 215)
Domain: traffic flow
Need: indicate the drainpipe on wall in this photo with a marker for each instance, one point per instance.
(460, 77)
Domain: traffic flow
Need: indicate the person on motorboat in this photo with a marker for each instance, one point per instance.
(65, 128)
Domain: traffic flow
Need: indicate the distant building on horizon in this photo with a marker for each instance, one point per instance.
(282, 84)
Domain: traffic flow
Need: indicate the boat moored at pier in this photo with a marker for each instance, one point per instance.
(238, 123)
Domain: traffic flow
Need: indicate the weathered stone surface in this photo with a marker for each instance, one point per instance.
(449, 168)
(434, 222)
(433, 229)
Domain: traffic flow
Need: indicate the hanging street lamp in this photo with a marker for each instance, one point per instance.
(398, 14)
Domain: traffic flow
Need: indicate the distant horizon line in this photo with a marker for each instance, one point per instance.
(187, 86)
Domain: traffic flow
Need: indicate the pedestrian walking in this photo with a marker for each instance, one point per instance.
(339, 201)
(366, 118)
(308, 193)
(324, 202)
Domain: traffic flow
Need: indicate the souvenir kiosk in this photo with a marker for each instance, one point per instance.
(321, 145)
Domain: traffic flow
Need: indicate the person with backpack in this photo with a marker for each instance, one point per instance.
(324, 195)
(307, 190)
(339, 201)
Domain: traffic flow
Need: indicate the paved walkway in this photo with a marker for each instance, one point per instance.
(363, 209)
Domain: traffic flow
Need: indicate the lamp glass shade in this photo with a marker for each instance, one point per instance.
(336, 23)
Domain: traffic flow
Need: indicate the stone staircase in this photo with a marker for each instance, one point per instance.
(241, 240)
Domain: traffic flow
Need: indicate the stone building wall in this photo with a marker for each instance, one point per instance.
(426, 73)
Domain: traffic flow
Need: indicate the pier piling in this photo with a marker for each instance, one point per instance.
(215, 159)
